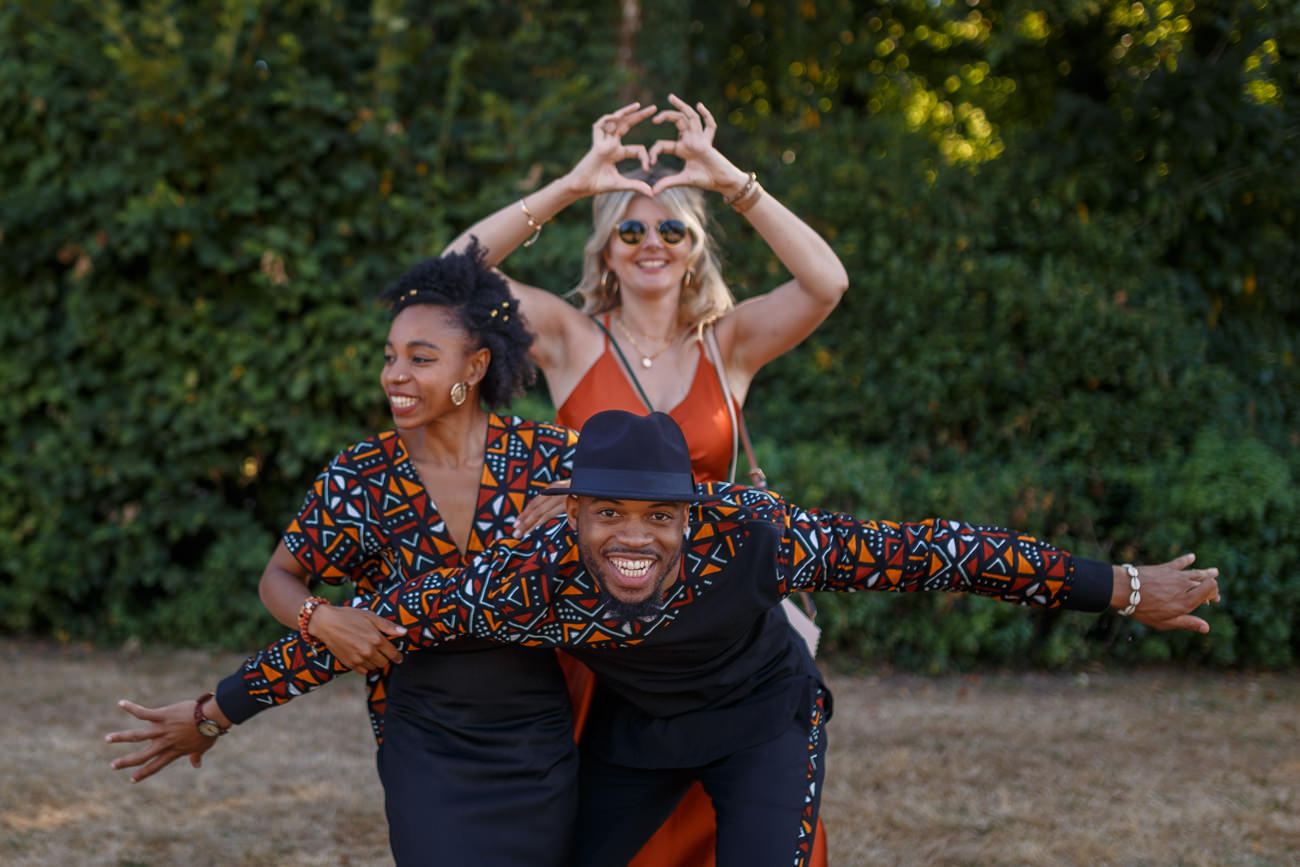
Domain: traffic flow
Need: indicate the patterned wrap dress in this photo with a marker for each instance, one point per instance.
(478, 736)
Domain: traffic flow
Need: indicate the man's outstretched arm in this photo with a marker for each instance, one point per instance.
(831, 551)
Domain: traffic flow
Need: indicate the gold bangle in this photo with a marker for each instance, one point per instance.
(745, 202)
(744, 191)
(532, 224)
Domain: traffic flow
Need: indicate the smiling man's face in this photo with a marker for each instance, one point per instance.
(632, 547)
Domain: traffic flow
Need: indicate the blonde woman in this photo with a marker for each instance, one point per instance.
(651, 283)
(658, 328)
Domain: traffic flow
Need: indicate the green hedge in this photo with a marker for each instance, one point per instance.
(1070, 233)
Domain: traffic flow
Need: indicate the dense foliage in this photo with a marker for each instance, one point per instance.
(1070, 226)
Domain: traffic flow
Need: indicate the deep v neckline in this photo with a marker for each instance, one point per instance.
(439, 529)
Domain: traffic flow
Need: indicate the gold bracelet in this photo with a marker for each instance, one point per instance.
(745, 202)
(744, 191)
(532, 224)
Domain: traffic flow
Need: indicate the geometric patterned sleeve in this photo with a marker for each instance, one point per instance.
(429, 605)
(275, 674)
(331, 536)
(534, 592)
(830, 551)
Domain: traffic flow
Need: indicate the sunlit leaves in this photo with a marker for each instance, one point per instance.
(1070, 228)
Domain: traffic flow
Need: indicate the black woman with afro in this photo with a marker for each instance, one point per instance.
(476, 750)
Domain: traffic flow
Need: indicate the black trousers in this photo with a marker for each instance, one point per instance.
(766, 798)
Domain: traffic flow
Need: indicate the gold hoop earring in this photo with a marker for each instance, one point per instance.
(609, 284)
(688, 282)
(459, 392)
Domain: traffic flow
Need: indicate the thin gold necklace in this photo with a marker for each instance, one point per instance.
(647, 358)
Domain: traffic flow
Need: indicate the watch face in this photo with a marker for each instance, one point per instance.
(208, 728)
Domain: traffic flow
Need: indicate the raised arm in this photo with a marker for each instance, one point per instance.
(764, 327)
(829, 551)
(554, 321)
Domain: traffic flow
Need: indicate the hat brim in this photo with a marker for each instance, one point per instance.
(632, 485)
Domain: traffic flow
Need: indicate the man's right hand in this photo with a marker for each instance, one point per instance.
(359, 639)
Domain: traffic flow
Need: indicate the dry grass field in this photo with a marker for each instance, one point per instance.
(1151, 768)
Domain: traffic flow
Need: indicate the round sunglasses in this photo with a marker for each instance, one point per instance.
(632, 232)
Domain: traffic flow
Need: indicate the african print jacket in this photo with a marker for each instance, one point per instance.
(369, 520)
(745, 551)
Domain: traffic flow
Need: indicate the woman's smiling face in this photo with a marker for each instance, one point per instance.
(651, 266)
(427, 352)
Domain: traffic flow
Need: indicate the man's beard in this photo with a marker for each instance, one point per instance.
(613, 608)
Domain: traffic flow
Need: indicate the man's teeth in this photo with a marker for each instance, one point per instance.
(403, 401)
(631, 568)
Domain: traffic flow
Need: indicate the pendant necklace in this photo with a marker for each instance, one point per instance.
(647, 358)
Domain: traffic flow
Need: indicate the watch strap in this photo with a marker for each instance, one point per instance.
(200, 719)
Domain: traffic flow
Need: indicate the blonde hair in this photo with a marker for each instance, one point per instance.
(703, 300)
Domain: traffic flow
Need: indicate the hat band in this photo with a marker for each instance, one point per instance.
(633, 484)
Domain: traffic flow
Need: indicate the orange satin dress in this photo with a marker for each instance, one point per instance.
(686, 839)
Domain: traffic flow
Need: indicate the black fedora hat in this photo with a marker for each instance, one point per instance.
(625, 456)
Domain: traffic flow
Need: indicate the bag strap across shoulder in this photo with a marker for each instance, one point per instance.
(801, 620)
(739, 431)
(631, 374)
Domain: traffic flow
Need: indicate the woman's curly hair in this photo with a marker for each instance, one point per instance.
(482, 303)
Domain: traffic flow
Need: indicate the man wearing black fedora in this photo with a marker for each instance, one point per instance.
(669, 591)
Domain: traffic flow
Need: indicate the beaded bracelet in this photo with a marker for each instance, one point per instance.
(309, 606)
(1134, 586)
(744, 191)
(532, 224)
(747, 200)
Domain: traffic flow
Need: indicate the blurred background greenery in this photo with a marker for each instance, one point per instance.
(1070, 227)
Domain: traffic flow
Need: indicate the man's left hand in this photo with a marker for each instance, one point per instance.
(1170, 592)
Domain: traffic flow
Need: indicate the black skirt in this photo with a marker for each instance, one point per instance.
(478, 761)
